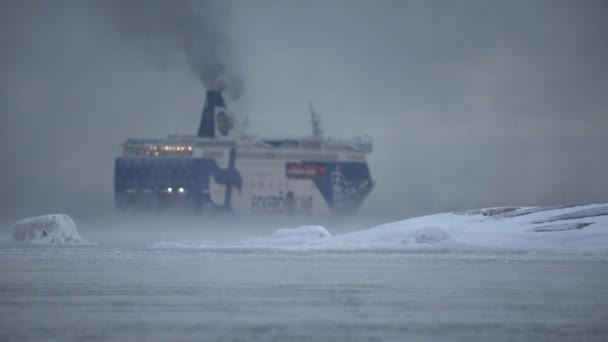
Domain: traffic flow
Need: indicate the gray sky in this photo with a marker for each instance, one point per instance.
(470, 103)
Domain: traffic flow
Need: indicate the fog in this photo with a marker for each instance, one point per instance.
(470, 103)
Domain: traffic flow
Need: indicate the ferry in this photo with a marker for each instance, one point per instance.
(224, 169)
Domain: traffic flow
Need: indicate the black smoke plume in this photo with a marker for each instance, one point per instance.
(188, 30)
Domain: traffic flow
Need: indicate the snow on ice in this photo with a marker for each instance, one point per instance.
(47, 229)
(292, 238)
(304, 233)
(509, 229)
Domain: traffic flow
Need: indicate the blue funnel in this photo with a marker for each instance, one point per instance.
(207, 127)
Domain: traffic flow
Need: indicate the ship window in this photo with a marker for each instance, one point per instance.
(311, 145)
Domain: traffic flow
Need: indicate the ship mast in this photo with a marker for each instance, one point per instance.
(315, 120)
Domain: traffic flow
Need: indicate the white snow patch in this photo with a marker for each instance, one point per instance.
(589, 212)
(528, 210)
(304, 233)
(507, 229)
(286, 238)
(560, 227)
(430, 234)
(47, 229)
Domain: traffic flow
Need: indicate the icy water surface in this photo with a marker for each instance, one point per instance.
(103, 293)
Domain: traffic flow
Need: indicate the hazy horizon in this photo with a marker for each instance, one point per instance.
(470, 104)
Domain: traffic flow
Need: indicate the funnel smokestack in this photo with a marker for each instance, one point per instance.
(213, 101)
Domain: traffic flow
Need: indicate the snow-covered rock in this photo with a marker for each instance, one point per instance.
(47, 229)
(507, 229)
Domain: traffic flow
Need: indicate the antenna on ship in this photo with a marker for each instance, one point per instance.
(315, 120)
(246, 128)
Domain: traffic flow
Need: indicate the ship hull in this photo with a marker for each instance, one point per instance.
(244, 182)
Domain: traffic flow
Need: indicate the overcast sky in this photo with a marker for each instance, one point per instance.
(470, 103)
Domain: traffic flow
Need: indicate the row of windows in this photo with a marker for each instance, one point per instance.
(156, 162)
(220, 154)
(215, 143)
(151, 172)
(287, 156)
(173, 151)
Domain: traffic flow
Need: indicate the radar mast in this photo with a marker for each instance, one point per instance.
(315, 120)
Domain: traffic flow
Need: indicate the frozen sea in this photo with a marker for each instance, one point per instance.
(121, 289)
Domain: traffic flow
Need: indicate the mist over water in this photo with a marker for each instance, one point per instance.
(471, 104)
